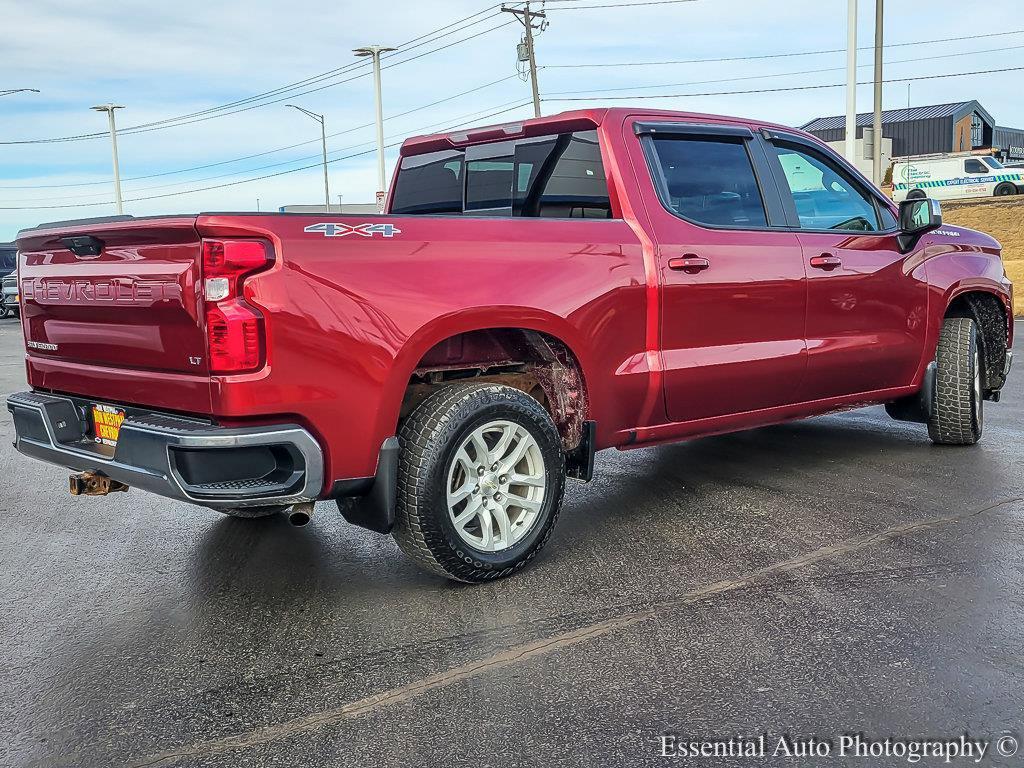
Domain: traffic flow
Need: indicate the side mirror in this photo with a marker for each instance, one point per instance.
(917, 217)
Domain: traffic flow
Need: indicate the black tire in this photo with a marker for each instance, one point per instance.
(916, 194)
(958, 411)
(4, 311)
(1005, 190)
(430, 438)
(254, 513)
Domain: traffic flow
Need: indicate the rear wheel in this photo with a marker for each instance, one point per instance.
(1005, 189)
(958, 412)
(480, 482)
(4, 311)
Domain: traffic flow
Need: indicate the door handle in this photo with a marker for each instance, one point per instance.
(826, 261)
(689, 263)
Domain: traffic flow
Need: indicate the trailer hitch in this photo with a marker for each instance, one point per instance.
(94, 484)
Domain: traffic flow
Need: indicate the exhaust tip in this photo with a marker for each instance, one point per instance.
(301, 514)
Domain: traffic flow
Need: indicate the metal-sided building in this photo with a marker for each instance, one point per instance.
(1010, 143)
(958, 127)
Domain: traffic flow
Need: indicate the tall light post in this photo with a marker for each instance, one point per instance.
(323, 138)
(109, 109)
(851, 81)
(876, 160)
(375, 51)
(9, 91)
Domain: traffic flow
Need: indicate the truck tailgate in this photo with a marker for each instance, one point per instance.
(115, 308)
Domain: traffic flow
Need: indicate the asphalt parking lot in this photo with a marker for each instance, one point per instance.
(837, 575)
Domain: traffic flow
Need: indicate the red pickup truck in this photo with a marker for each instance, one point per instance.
(538, 291)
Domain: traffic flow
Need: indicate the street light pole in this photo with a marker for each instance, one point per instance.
(851, 81)
(876, 164)
(374, 51)
(109, 109)
(323, 139)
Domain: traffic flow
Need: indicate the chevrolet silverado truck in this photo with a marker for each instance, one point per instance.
(536, 292)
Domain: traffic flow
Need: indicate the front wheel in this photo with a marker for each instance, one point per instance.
(916, 194)
(958, 413)
(4, 311)
(480, 482)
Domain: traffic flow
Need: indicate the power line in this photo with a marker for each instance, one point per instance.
(463, 93)
(356, 65)
(778, 55)
(615, 5)
(285, 162)
(261, 154)
(290, 96)
(518, 105)
(224, 110)
(791, 88)
(787, 74)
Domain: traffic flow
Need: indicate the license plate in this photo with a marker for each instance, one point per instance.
(106, 424)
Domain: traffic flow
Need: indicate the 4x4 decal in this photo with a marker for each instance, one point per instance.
(363, 230)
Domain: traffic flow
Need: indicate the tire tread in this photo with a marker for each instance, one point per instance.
(952, 421)
(419, 436)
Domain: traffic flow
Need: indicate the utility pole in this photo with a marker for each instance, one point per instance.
(323, 139)
(375, 51)
(851, 81)
(526, 17)
(109, 109)
(876, 166)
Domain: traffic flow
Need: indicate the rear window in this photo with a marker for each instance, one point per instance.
(558, 176)
(429, 183)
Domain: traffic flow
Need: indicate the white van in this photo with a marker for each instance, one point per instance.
(954, 177)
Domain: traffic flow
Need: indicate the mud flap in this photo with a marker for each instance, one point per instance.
(375, 510)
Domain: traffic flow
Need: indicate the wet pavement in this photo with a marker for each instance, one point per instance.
(834, 576)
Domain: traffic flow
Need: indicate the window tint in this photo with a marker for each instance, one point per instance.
(430, 183)
(710, 181)
(489, 174)
(973, 165)
(561, 177)
(558, 176)
(825, 195)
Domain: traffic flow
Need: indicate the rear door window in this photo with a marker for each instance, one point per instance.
(710, 181)
(561, 177)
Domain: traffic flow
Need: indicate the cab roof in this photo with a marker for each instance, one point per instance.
(575, 120)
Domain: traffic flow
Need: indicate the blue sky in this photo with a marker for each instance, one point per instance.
(163, 60)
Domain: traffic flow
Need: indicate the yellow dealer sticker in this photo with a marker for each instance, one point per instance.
(106, 421)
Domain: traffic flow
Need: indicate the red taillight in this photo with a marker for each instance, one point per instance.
(235, 330)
